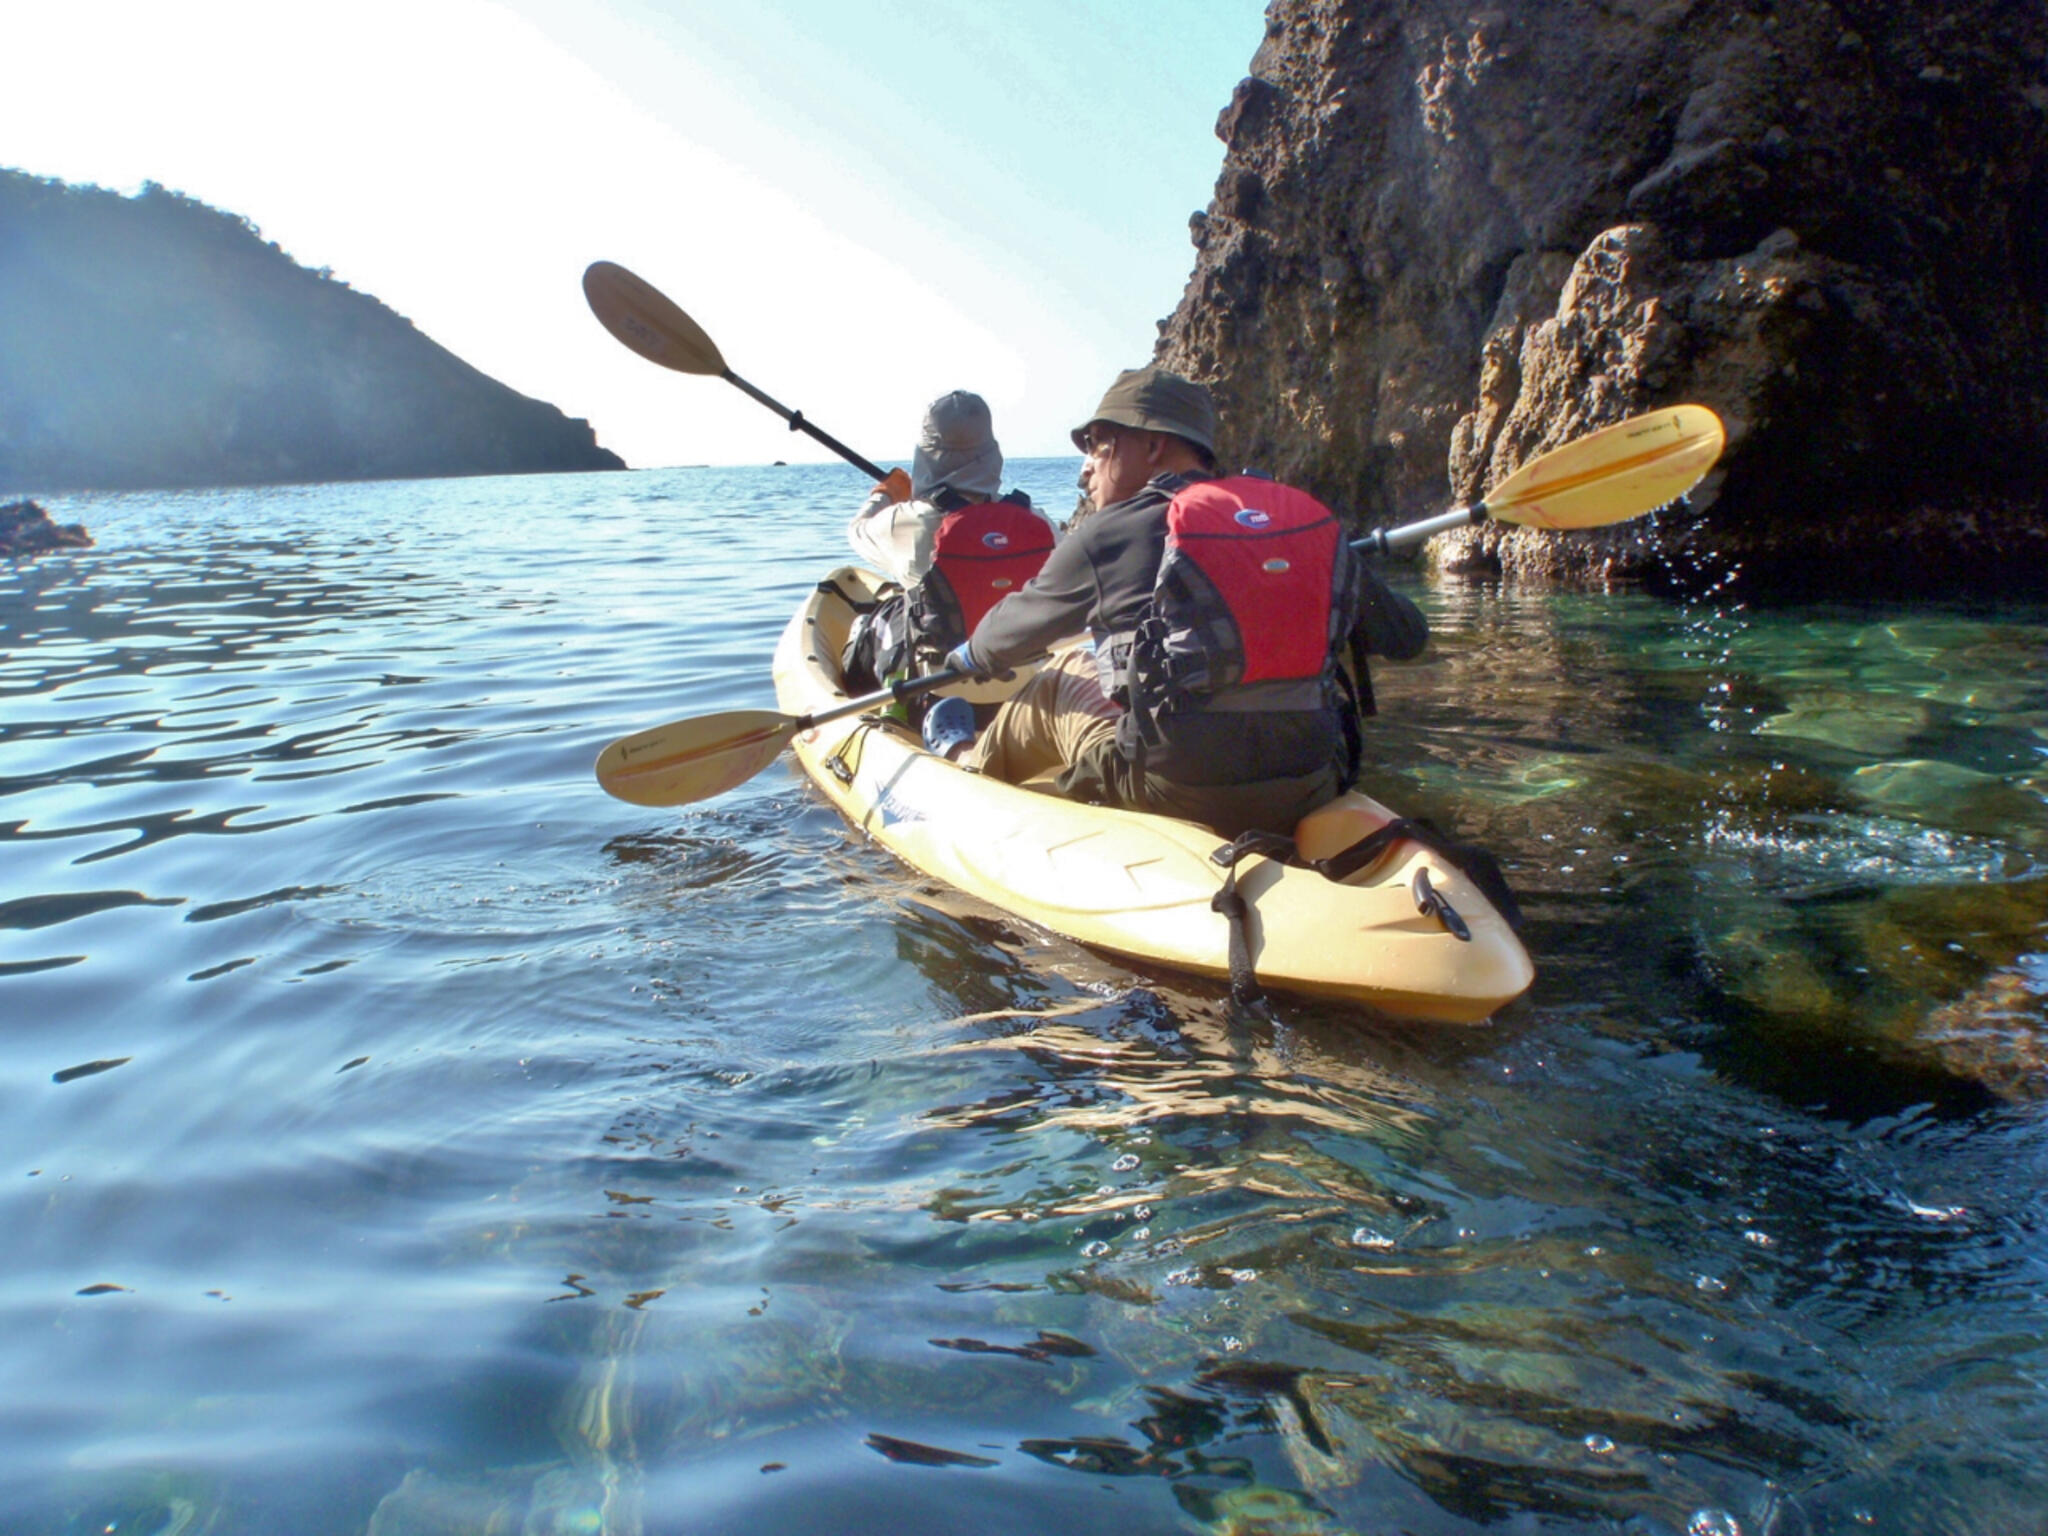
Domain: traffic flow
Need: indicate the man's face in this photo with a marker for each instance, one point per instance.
(1117, 464)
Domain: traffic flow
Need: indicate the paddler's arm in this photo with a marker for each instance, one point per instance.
(1052, 606)
(894, 533)
(1389, 623)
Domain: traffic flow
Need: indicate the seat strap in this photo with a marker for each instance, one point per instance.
(859, 605)
(1244, 981)
(1475, 863)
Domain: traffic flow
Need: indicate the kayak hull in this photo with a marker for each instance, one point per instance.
(1141, 886)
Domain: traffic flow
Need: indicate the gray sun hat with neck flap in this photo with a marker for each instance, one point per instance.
(957, 450)
(1153, 400)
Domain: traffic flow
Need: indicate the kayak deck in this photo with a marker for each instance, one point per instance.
(1141, 885)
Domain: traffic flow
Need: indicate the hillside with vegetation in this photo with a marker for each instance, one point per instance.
(155, 341)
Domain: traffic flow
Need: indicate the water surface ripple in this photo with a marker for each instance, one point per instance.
(407, 1138)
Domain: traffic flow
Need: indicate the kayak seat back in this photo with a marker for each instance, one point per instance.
(1330, 829)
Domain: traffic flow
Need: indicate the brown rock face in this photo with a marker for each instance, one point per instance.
(1446, 238)
(26, 529)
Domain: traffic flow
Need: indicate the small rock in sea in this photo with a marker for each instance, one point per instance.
(26, 529)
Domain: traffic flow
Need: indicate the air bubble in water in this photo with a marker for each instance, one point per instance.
(1125, 1163)
(1712, 1522)
(1599, 1445)
(1365, 1237)
(1094, 1250)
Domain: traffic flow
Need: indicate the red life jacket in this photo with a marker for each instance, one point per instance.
(980, 555)
(1256, 592)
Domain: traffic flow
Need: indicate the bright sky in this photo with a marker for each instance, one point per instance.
(864, 202)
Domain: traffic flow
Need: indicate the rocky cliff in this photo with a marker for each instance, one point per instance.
(1447, 237)
(154, 341)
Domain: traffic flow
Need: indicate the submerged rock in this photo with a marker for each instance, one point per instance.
(1447, 238)
(1996, 1033)
(26, 529)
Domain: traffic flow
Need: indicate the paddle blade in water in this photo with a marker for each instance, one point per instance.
(691, 760)
(648, 320)
(1619, 472)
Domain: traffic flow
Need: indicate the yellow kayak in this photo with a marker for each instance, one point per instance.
(1141, 885)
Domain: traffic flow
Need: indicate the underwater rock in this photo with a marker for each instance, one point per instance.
(26, 529)
(549, 1500)
(1917, 785)
(1851, 720)
(1996, 1034)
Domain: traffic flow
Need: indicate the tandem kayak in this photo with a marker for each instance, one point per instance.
(1139, 885)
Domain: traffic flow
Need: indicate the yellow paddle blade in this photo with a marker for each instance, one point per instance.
(691, 760)
(648, 320)
(1619, 472)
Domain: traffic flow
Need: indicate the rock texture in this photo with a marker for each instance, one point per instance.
(26, 529)
(1447, 237)
(154, 341)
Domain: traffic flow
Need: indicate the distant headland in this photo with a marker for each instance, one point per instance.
(153, 341)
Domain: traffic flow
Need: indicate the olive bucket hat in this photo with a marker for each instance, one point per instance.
(1154, 400)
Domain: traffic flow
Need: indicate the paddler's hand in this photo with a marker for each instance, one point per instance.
(895, 485)
(961, 659)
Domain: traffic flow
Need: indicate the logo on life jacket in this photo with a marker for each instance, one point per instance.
(1253, 517)
(980, 555)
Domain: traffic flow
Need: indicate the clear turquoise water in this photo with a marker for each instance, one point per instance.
(461, 1145)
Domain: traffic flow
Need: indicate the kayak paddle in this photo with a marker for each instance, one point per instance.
(690, 760)
(649, 321)
(1608, 476)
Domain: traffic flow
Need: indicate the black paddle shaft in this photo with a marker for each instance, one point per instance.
(798, 424)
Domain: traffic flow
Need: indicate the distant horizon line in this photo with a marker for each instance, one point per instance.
(903, 464)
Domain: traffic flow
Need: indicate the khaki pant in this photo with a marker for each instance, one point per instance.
(1060, 722)
(1050, 722)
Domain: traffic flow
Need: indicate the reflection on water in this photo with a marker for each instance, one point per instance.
(407, 1139)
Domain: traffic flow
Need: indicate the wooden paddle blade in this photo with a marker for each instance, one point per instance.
(647, 320)
(1619, 472)
(691, 760)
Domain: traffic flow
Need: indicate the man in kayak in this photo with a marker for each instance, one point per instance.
(1233, 758)
(958, 463)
